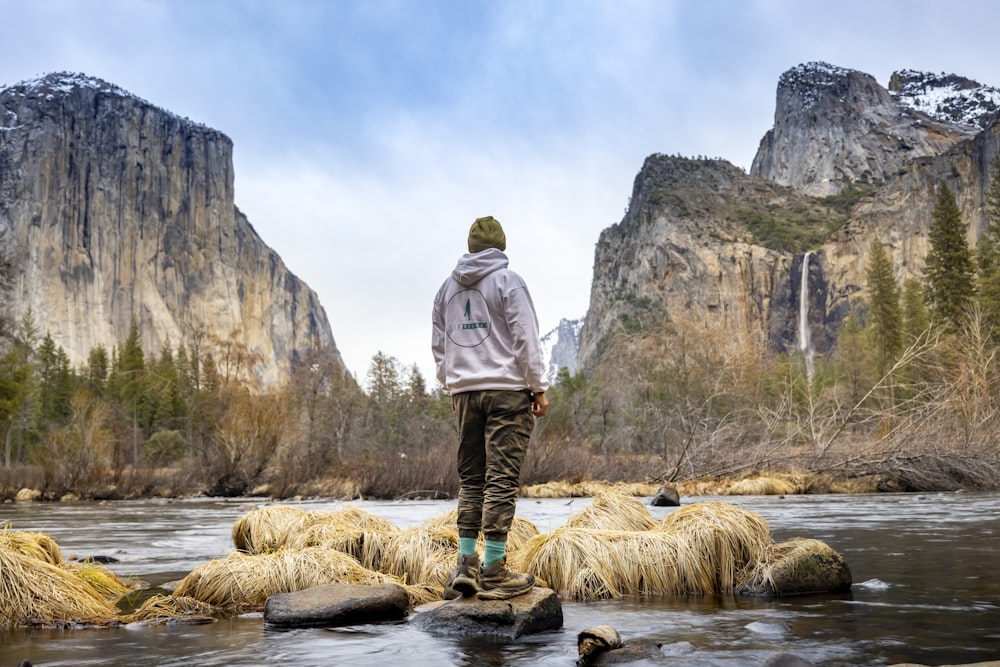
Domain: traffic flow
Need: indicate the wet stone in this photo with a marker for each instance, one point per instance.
(333, 605)
(806, 566)
(536, 611)
(635, 651)
(666, 496)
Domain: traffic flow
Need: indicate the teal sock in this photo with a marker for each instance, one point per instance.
(467, 546)
(494, 551)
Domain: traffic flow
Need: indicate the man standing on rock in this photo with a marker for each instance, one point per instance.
(489, 358)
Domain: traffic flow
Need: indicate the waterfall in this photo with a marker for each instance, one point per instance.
(805, 339)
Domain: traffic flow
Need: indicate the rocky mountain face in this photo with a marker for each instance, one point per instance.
(682, 249)
(848, 161)
(947, 97)
(561, 347)
(111, 208)
(834, 127)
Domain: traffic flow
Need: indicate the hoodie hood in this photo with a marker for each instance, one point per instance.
(473, 267)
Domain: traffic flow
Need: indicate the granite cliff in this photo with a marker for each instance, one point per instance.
(834, 127)
(561, 347)
(847, 161)
(111, 208)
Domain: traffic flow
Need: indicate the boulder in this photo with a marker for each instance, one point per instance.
(28, 495)
(643, 651)
(666, 496)
(596, 640)
(799, 567)
(333, 605)
(536, 611)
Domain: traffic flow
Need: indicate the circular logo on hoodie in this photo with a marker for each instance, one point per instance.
(467, 318)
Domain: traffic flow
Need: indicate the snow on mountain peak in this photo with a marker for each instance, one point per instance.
(946, 97)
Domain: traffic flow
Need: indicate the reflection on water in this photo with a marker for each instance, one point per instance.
(927, 590)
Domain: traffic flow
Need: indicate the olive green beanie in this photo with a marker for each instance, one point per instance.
(486, 233)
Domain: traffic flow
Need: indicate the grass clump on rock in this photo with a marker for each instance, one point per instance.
(700, 549)
(613, 511)
(730, 539)
(161, 609)
(246, 580)
(267, 529)
(37, 545)
(350, 530)
(35, 591)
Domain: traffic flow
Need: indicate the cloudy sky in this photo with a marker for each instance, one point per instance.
(369, 134)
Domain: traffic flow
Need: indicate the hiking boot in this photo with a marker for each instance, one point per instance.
(496, 582)
(462, 578)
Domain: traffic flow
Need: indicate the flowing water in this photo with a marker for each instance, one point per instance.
(805, 336)
(926, 590)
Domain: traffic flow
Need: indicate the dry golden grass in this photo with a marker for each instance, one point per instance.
(244, 580)
(420, 555)
(351, 530)
(358, 519)
(332, 487)
(615, 547)
(521, 529)
(101, 579)
(36, 545)
(557, 489)
(164, 608)
(661, 563)
(423, 593)
(442, 521)
(613, 510)
(581, 563)
(787, 483)
(700, 487)
(731, 539)
(593, 564)
(773, 484)
(36, 592)
(562, 489)
(267, 529)
(636, 488)
(776, 485)
(366, 546)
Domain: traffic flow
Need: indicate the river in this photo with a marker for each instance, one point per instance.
(925, 569)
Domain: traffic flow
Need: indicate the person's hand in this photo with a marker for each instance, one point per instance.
(540, 405)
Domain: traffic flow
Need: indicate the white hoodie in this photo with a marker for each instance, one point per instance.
(485, 330)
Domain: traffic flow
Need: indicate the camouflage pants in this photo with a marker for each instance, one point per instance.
(495, 427)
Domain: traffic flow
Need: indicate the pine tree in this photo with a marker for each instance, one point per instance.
(852, 359)
(26, 419)
(385, 388)
(885, 322)
(949, 267)
(988, 256)
(916, 320)
(56, 381)
(97, 368)
(127, 383)
(15, 373)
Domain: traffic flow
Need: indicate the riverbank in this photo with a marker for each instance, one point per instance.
(172, 483)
